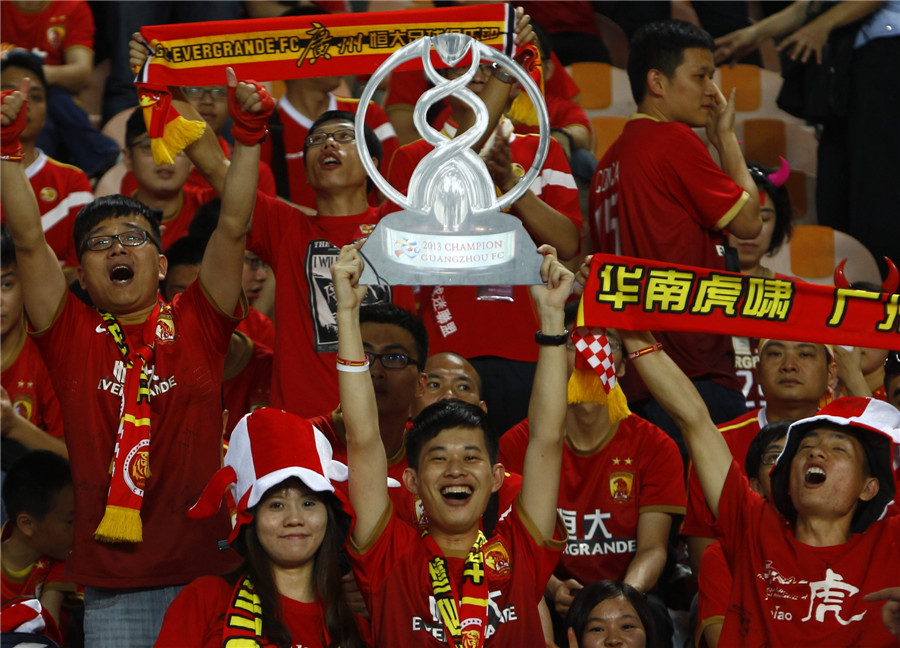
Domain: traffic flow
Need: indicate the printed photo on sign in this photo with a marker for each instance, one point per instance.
(322, 305)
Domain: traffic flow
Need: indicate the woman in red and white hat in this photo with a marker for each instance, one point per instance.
(289, 527)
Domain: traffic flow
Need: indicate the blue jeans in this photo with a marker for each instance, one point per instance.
(125, 618)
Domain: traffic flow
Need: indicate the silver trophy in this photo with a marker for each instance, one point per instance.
(452, 230)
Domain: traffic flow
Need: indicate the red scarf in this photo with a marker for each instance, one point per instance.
(130, 467)
(465, 622)
(646, 295)
(293, 47)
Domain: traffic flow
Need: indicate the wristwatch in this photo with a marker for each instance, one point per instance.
(501, 75)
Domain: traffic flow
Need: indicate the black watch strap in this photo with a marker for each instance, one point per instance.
(551, 340)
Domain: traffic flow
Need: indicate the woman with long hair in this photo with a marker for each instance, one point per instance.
(607, 613)
(289, 529)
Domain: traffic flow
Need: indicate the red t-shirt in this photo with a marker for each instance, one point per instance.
(392, 573)
(196, 617)
(602, 495)
(249, 385)
(27, 382)
(300, 249)
(258, 328)
(789, 594)
(658, 194)
(61, 191)
(56, 28)
(296, 128)
(454, 316)
(186, 413)
(738, 434)
(714, 590)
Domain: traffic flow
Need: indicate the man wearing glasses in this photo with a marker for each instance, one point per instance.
(139, 383)
(795, 378)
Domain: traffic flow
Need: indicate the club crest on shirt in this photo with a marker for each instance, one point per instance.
(620, 485)
(496, 558)
(56, 34)
(23, 405)
(165, 327)
(366, 228)
(48, 194)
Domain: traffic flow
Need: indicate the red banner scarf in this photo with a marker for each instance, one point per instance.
(466, 622)
(131, 460)
(641, 294)
(293, 47)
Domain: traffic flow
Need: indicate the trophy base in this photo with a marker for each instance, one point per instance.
(406, 248)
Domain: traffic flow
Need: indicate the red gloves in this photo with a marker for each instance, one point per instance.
(250, 128)
(10, 148)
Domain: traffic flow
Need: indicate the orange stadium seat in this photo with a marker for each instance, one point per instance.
(595, 81)
(748, 81)
(606, 129)
(814, 251)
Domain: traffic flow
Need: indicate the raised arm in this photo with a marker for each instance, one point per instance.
(495, 94)
(543, 222)
(43, 282)
(679, 398)
(205, 153)
(366, 458)
(547, 407)
(720, 130)
(220, 272)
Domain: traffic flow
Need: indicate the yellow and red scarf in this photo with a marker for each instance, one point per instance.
(130, 465)
(643, 294)
(466, 622)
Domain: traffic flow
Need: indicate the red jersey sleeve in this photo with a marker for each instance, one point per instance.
(698, 183)
(79, 26)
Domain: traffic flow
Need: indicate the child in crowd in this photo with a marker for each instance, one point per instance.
(39, 497)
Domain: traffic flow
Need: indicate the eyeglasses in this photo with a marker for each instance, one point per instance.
(199, 92)
(256, 263)
(391, 360)
(455, 73)
(341, 135)
(769, 458)
(133, 238)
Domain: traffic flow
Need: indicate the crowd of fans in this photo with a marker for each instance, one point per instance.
(403, 465)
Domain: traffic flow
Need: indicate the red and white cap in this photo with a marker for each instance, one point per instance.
(877, 426)
(267, 447)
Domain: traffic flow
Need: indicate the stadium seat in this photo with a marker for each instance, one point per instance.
(606, 129)
(814, 251)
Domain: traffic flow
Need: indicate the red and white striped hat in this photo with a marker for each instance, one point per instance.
(877, 426)
(267, 447)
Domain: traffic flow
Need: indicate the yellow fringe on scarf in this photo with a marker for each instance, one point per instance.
(586, 386)
(179, 134)
(120, 524)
